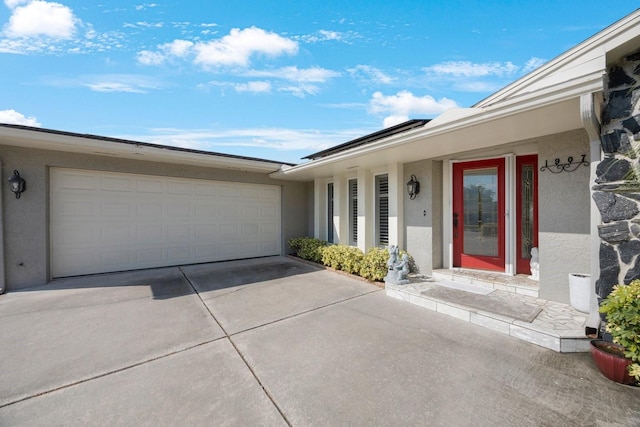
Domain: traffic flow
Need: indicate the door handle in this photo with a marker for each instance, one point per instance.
(455, 225)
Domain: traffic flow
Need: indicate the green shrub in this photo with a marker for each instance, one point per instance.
(374, 264)
(308, 248)
(622, 307)
(342, 257)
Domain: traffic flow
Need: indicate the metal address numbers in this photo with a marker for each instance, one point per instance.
(569, 166)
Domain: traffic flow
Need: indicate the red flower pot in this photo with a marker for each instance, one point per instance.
(609, 358)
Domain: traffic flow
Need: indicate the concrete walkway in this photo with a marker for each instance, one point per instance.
(276, 342)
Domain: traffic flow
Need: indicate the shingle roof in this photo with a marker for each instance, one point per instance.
(137, 143)
(402, 127)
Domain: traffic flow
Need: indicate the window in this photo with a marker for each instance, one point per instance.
(353, 212)
(330, 233)
(382, 210)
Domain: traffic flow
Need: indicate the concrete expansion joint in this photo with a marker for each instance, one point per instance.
(105, 374)
(237, 350)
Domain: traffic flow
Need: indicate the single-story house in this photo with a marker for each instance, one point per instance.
(521, 169)
(514, 173)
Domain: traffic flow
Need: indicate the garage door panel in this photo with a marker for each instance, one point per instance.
(207, 189)
(150, 209)
(144, 185)
(103, 221)
(78, 180)
(121, 185)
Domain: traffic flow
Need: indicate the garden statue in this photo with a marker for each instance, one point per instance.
(398, 269)
(535, 265)
(393, 256)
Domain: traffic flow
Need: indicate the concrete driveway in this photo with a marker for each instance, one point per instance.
(275, 342)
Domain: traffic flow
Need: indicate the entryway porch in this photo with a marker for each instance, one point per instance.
(506, 304)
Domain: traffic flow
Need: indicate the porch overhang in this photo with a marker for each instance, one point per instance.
(546, 112)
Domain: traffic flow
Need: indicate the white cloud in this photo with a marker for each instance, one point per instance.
(253, 87)
(179, 48)
(301, 90)
(145, 6)
(147, 57)
(235, 49)
(127, 83)
(113, 87)
(327, 35)
(14, 118)
(41, 18)
(264, 137)
(13, 3)
(176, 49)
(370, 74)
(239, 46)
(532, 64)
(393, 120)
(405, 104)
(295, 74)
(469, 69)
(145, 24)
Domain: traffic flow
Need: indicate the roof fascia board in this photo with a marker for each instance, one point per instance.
(80, 144)
(603, 39)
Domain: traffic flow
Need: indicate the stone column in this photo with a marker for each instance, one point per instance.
(617, 188)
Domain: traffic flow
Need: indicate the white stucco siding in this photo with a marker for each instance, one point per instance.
(564, 215)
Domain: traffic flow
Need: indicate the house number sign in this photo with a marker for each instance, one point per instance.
(569, 166)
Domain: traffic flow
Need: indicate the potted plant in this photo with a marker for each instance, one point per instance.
(622, 308)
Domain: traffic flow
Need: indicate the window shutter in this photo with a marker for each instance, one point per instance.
(382, 210)
(353, 211)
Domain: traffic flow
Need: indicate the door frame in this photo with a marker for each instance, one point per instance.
(460, 259)
(510, 229)
(522, 266)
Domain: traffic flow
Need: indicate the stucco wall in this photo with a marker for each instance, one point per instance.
(564, 214)
(26, 221)
(423, 215)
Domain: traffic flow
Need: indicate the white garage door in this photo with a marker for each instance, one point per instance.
(102, 221)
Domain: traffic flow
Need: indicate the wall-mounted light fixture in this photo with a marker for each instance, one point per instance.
(413, 187)
(17, 184)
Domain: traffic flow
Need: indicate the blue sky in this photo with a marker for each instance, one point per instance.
(270, 79)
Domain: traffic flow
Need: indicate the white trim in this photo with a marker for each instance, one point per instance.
(592, 126)
(447, 221)
(2, 266)
(39, 139)
(510, 220)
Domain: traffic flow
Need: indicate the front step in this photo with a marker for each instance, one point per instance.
(519, 284)
(556, 326)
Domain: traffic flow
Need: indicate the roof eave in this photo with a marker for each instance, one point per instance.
(21, 136)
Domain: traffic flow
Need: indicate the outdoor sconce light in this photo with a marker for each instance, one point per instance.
(17, 184)
(413, 187)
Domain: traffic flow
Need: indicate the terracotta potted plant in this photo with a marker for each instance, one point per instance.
(621, 362)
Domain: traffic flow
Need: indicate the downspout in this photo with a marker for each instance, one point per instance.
(592, 126)
(2, 271)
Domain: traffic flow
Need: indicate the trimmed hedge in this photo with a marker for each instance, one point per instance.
(341, 257)
(308, 248)
(374, 264)
(371, 266)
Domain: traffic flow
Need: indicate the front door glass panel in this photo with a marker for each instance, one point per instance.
(480, 213)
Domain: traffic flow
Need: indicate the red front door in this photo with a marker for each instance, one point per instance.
(479, 214)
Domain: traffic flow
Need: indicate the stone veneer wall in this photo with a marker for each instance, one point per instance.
(617, 188)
